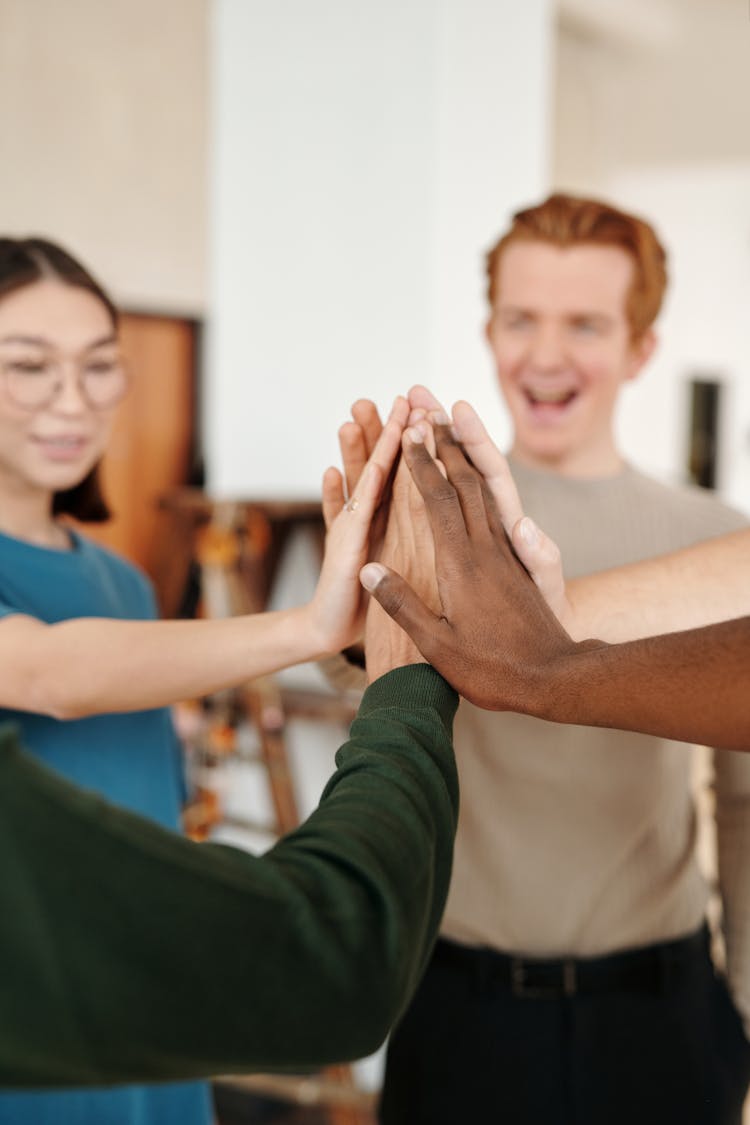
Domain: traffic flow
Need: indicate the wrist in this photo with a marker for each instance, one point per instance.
(560, 691)
(310, 637)
(388, 646)
(576, 622)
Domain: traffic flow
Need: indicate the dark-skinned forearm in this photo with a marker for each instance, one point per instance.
(691, 686)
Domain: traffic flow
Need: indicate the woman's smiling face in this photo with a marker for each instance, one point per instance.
(50, 323)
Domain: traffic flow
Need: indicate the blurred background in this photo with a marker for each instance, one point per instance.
(291, 201)
(315, 185)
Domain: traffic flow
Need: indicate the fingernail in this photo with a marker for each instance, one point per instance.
(529, 532)
(371, 574)
(416, 434)
(439, 418)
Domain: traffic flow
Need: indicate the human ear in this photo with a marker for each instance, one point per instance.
(641, 351)
(489, 334)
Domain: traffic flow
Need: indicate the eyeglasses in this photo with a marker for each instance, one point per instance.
(34, 380)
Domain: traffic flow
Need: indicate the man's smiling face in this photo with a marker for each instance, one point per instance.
(562, 343)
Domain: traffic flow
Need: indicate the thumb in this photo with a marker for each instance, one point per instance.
(394, 594)
(541, 557)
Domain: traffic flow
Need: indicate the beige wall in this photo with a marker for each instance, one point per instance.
(103, 126)
(677, 95)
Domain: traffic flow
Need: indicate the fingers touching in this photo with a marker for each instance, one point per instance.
(354, 453)
(357, 440)
(484, 454)
(365, 415)
(541, 558)
(477, 504)
(363, 439)
(421, 398)
(404, 606)
(538, 553)
(332, 495)
(439, 495)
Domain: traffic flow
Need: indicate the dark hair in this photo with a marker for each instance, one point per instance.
(24, 261)
(566, 220)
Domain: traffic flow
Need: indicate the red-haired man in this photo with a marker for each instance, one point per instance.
(573, 982)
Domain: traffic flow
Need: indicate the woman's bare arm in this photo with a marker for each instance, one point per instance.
(87, 666)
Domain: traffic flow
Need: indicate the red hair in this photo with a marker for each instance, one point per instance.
(565, 220)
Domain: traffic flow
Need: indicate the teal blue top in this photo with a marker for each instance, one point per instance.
(132, 759)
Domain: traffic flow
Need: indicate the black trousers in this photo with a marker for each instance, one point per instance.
(648, 1037)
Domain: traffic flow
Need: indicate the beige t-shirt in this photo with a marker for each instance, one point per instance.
(581, 840)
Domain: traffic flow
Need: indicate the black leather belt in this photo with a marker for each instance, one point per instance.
(649, 969)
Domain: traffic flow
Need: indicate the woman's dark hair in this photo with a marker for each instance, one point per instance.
(24, 261)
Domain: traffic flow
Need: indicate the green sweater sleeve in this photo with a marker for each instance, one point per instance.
(130, 953)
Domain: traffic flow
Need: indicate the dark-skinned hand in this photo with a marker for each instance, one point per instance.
(495, 637)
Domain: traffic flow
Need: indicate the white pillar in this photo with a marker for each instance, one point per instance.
(364, 157)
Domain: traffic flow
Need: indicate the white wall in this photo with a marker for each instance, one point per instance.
(658, 120)
(703, 215)
(365, 155)
(103, 126)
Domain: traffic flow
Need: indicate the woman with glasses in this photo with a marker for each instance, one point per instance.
(87, 671)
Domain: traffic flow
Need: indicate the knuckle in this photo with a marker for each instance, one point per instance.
(464, 474)
(443, 492)
(390, 596)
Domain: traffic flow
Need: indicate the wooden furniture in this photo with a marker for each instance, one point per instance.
(151, 447)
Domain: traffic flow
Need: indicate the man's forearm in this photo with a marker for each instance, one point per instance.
(498, 642)
(687, 589)
(139, 955)
(690, 686)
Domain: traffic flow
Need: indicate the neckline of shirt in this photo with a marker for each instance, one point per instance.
(16, 543)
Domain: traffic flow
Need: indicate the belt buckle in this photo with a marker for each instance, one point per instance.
(521, 971)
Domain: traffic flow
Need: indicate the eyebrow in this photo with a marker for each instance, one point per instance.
(571, 314)
(605, 317)
(42, 342)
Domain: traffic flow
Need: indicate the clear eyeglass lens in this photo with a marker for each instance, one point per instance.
(103, 381)
(35, 382)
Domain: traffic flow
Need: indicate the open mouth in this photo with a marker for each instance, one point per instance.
(61, 446)
(547, 397)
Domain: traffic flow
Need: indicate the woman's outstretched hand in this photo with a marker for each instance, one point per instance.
(351, 508)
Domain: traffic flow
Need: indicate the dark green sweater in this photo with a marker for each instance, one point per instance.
(129, 953)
